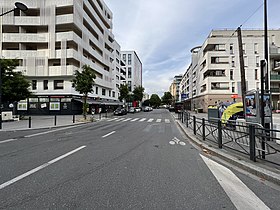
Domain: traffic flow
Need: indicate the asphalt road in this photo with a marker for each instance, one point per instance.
(137, 161)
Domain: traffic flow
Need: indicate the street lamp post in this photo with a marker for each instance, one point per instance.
(18, 6)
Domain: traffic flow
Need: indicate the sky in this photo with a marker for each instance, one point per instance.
(162, 32)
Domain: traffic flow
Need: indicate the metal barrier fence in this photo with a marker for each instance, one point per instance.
(249, 139)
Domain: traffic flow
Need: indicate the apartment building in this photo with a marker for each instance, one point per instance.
(214, 74)
(174, 88)
(52, 39)
(132, 69)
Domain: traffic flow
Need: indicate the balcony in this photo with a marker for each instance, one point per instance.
(26, 37)
(275, 90)
(275, 77)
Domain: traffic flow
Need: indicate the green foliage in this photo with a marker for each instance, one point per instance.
(83, 83)
(138, 93)
(167, 98)
(15, 86)
(155, 100)
(146, 102)
(124, 92)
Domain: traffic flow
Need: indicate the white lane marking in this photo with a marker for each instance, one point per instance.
(46, 132)
(172, 143)
(158, 120)
(8, 140)
(2, 186)
(167, 121)
(150, 120)
(112, 119)
(127, 119)
(120, 119)
(143, 119)
(240, 195)
(134, 119)
(109, 134)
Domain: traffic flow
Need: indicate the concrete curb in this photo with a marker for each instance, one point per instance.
(247, 166)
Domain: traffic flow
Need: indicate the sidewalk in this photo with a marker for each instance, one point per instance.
(48, 121)
(262, 169)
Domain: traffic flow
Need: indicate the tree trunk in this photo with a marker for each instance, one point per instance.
(85, 106)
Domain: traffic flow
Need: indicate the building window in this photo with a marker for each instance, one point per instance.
(109, 93)
(34, 84)
(129, 85)
(96, 90)
(129, 59)
(232, 62)
(114, 94)
(46, 82)
(124, 57)
(233, 87)
(244, 48)
(103, 92)
(58, 84)
(256, 74)
(257, 61)
(256, 48)
(231, 74)
(245, 61)
(231, 49)
(129, 72)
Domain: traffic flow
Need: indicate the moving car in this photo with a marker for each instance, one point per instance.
(120, 111)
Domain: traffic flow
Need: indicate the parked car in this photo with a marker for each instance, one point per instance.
(120, 111)
(148, 109)
(137, 109)
(131, 110)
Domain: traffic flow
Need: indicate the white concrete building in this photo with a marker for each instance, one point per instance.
(52, 40)
(132, 69)
(214, 74)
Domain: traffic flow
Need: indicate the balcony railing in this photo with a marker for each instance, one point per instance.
(275, 77)
(275, 90)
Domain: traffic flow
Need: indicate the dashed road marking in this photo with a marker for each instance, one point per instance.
(28, 173)
(167, 121)
(158, 120)
(109, 134)
(143, 119)
(150, 120)
(135, 119)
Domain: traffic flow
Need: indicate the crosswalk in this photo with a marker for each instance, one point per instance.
(149, 120)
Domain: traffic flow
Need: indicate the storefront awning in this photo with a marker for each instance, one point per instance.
(91, 101)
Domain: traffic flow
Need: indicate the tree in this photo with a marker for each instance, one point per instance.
(146, 102)
(124, 92)
(138, 93)
(83, 83)
(15, 86)
(155, 100)
(167, 98)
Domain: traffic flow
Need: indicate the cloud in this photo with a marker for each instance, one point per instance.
(162, 32)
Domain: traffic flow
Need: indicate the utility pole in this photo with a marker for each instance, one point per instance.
(242, 69)
(266, 47)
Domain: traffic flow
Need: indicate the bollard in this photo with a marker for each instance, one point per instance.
(203, 129)
(252, 143)
(106, 114)
(73, 120)
(220, 140)
(0, 120)
(182, 117)
(54, 120)
(187, 121)
(194, 125)
(99, 115)
(29, 122)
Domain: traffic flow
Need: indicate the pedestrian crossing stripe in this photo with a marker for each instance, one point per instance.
(138, 120)
(134, 120)
(127, 119)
